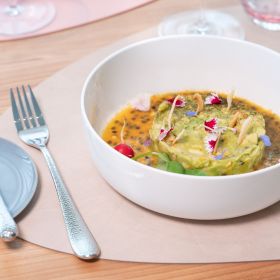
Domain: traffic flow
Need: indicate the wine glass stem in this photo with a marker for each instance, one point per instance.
(13, 8)
(202, 25)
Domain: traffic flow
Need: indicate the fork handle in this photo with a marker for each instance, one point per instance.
(8, 227)
(81, 239)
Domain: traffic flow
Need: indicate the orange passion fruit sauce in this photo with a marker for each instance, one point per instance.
(133, 126)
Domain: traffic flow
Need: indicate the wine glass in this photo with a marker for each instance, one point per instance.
(20, 17)
(265, 13)
(203, 22)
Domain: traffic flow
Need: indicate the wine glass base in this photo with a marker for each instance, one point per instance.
(29, 16)
(267, 25)
(206, 22)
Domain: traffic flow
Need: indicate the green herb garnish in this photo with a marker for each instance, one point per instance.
(165, 163)
(196, 172)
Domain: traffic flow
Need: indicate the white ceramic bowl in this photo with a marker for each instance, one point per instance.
(181, 63)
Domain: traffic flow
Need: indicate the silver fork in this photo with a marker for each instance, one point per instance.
(32, 130)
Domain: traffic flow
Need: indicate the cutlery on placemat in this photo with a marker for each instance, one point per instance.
(32, 130)
(8, 227)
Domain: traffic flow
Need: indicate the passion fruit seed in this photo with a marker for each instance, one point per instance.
(125, 150)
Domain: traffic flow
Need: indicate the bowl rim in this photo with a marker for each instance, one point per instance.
(123, 49)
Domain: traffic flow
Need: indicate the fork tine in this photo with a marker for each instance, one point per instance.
(17, 119)
(36, 107)
(24, 116)
(30, 114)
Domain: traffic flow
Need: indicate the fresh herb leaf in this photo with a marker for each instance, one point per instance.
(163, 160)
(175, 167)
(196, 172)
(164, 163)
(162, 156)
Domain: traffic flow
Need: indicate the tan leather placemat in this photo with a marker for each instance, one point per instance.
(124, 230)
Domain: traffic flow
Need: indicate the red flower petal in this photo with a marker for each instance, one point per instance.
(212, 144)
(211, 141)
(211, 124)
(179, 102)
(216, 100)
(164, 133)
(213, 99)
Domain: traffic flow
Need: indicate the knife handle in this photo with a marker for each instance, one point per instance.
(8, 227)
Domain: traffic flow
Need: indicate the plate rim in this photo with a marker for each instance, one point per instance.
(35, 180)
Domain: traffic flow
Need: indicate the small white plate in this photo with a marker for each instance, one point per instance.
(18, 177)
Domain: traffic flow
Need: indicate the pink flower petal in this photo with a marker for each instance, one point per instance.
(141, 103)
(211, 125)
(210, 142)
(164, 133)
(179, 102)
(212, 99)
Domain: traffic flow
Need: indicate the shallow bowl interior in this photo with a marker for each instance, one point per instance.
(180, 63)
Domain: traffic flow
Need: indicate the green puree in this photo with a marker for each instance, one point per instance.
(230, 156)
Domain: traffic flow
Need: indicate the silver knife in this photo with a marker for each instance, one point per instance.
(8, 227)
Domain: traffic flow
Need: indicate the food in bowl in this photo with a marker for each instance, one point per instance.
(196, 133)
(174, 64)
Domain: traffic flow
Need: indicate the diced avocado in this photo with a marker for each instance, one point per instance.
(189, 150)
